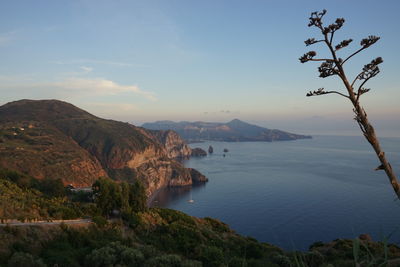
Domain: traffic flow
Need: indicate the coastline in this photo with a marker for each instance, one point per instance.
(151, 198)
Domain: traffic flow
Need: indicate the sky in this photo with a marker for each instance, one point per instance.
(209, 60)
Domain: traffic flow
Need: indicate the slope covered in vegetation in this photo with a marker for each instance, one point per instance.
(125, 232)
(56, 140)
(26, 199)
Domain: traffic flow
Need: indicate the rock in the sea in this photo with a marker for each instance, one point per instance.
(198, 152)
(210, 149)
(226, 150)
(197, 177)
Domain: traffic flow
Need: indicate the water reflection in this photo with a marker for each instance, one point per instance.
(169, 195)
(294, 193)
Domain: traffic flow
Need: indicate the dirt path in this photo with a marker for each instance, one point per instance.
(54, 222)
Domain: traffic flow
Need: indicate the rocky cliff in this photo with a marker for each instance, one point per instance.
(54, 139)
(176, 147)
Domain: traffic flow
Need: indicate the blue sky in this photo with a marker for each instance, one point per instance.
(141, 61)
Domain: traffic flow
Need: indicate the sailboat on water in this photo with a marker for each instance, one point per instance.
(191, 198)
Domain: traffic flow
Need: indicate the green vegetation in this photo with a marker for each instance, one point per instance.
(49, 187)
(122, 197)
(138, 236)
(163, 237)
(43, 151)
(186, 241)
(30, 204)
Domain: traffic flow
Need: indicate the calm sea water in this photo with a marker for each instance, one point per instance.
(294, 193)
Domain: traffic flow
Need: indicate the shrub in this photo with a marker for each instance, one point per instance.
(21, 259)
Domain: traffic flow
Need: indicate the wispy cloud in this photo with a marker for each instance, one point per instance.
(74, 86)
(83, 70)
(86, 69)
(101, 86)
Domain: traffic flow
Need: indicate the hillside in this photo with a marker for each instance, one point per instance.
(139, 236)
(54, 139)
(233, 131)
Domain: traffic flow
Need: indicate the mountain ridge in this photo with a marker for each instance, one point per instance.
(55, 139)
(232, 131)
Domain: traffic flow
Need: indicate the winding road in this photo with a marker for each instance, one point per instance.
(54, 222)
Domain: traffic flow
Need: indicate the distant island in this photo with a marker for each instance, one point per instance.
(233, 131)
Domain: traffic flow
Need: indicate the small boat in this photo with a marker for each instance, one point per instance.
(191, 198)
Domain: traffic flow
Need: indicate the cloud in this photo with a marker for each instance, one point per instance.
(86, 69)
(73, 87)
(101, 86)
(83, 70)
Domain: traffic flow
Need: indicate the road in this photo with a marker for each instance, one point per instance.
(54, 222)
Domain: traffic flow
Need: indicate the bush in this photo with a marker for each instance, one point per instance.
(131, 218)
(21, 259)
(254, 250)
(165, 261)
(173, 215)
(238, 262)
(218, 225)
(105, 256)
(100, 221)
(132, 257)
(212, 256)
(115, 254)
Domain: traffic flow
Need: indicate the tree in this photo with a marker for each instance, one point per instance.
(137, 196)
(334, 66)
(122, 197)
(21, 259)
(107, 195)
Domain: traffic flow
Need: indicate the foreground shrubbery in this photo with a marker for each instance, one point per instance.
(125, 233)
(163, 237)
(30, 204)
(160, 238)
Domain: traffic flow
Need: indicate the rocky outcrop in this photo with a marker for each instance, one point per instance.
(198, 152)
(175, 146)
(69, 143)
(197, 177)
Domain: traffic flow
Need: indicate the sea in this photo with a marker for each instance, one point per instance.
(294, 193)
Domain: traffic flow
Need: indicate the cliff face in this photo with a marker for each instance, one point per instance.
(176, 147)
(54, 139)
